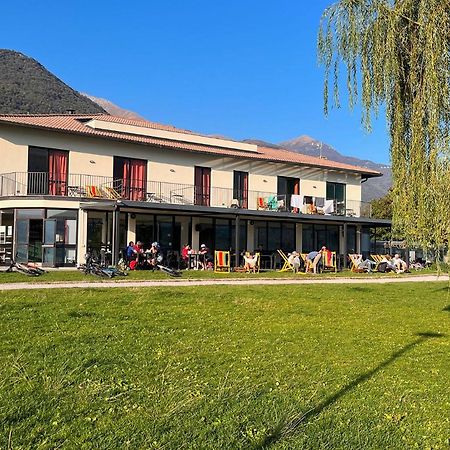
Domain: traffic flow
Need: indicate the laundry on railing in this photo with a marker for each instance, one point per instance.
(296, 201)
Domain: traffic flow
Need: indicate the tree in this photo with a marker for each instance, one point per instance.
(396, 54)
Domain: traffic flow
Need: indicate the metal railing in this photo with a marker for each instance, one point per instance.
(101, 187)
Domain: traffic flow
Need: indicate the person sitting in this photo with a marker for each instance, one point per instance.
(400, 265)
(294, 260)
(154, 256)
(185, 251)
(250, 261)
(203, 257)
(312, 260)
(386, 264)
(366, 264)
(129, 252)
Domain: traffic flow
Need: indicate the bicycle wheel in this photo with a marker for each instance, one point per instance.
(170, 272)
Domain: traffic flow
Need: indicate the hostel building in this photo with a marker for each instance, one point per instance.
(73, 182)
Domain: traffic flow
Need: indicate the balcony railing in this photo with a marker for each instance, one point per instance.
(99, 187)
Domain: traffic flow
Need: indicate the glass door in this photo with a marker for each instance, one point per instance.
(49, 244)
(22, 239)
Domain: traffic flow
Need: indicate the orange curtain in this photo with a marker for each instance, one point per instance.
(57, 172)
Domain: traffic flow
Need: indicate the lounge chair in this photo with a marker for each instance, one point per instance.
(257, 258)
(329, 261)
(222, 261)
(111, 193)
(354, 260)
(287, 266)
(93, 192)
(261, 203)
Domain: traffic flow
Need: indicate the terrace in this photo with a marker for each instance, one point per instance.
(84, 186)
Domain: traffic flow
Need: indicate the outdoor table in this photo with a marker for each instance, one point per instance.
(193, 260)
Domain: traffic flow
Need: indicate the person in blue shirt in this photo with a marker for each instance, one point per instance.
(312, 260)
(130, 252)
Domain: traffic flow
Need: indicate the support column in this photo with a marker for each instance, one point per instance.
(131, 230)
(115, 234)
(81, 236)
(250, 236)
(184, 232)
(344, 245)
(236, 242)
(358, 239)
(299, 237)
(195, 238)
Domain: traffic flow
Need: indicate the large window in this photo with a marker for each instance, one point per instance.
(314, 236)
(130, 177)
(336, 192)
(202, 188)
(286, 188)
(240, 188)
(47, 171)
(271, 236)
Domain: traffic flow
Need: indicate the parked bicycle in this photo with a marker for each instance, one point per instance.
(27, 269)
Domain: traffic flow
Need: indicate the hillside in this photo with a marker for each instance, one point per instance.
(27, 87)
(113, 109)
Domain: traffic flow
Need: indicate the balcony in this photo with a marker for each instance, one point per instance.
(20, 184)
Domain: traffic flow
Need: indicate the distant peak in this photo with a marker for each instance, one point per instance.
(300, 140)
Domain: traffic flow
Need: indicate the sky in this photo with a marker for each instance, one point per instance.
(238, 68)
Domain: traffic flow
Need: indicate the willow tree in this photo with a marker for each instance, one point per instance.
(395, 54)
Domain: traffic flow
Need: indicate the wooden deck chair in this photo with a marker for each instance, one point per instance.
(261, 203)
(257, 256)
(93, 192)
(354, 258)
(111, 193)
(287, 266)
(329, 261)
(378, 259)
(222, 261)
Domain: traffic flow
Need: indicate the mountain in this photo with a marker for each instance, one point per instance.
(113, 109)
(27, 87)
(371, 189)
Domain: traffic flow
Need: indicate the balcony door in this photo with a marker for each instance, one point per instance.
(130, 177)
(287, 187)
(202, 186)
(240, 188)
(336, 192)
(47, 171)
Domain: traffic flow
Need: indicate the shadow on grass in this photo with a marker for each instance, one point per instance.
(286, 429)
(446, 308)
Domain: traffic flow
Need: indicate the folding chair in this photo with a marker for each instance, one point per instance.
(305, 263)
(111, 193)
(257, 257)
(261, 203)
(378, 259)
(222, 261)
(354, 258)
(93, 192)
(329, 261)
(287, 266)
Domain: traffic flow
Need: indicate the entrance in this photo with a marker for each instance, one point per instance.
(29, 240)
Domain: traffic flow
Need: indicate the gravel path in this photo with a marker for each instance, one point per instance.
(229, 282)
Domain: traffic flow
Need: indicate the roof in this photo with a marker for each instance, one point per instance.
(76, 124)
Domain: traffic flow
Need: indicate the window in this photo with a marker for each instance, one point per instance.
(47, 171)
(130, 177)
(240, 188)
(202, 186)
(336, 192)
(314, 236)
(286, 188)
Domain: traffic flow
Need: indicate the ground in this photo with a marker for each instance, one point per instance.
(282, 367)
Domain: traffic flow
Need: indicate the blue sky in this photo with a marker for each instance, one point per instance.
(243, 69)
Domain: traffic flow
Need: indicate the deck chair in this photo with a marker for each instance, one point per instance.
(257, 262)
(305, 264)
(329, 261)
(222, 261)
(287, 266)
(111, 193)
(261, 203)
(93, 192)
(354, 258)
(378, 259)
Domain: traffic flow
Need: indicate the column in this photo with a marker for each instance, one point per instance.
(115, 234)
(131, 230)
(81, 236)
(251, 236)
(344, 245)
(195, 237)
(358, 239)
(236, 242)
(184, 232)
(299, 237)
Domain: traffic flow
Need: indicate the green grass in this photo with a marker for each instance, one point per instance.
(282, 367)
(55, 276)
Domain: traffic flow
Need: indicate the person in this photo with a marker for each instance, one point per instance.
(367, 264)
(185, 253)
(129, 252)
(250, 260)
(313, 258)
(154, 256)
(386, 264)
(400, 265)
(203, 257)
(294, 260)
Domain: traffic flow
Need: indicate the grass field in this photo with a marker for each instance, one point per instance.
(55, 276)
(282, 367)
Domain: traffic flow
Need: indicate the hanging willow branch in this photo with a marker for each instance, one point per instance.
(396, 53)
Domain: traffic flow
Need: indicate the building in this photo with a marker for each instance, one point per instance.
(73, 182)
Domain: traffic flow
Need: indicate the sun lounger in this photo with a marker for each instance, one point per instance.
(221, 261)
(354, 260)
(287, 266)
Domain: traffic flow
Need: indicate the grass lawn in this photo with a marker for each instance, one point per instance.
(282, 367)
(55, 276)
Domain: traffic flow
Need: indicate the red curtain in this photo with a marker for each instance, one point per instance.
(126, 178)
(138, 179)
(296, 192)
(202, 188)
(206, 191)
(57, 172)
(244, 200)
